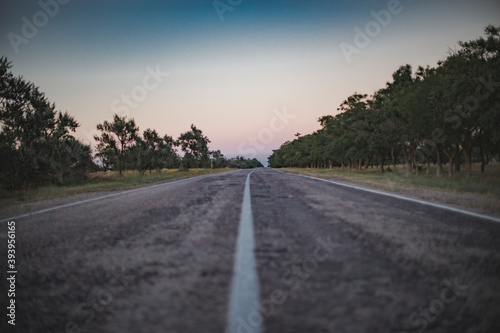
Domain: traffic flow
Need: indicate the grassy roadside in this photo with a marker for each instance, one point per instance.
(480, 192)
(98, 182)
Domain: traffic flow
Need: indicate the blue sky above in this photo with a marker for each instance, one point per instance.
(228, 76)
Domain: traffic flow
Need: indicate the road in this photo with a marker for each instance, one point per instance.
(328, 258)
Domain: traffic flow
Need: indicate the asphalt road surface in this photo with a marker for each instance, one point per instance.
(327, 258)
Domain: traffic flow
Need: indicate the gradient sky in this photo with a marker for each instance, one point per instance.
(229, 77)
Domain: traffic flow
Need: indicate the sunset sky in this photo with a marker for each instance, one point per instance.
(250, 74)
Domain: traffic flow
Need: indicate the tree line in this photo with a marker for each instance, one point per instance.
(120, 147)
(38, 146)
(447, 114)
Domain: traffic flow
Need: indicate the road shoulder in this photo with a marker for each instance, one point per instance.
(474, 202)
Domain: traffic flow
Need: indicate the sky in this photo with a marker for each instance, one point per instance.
(250, 74)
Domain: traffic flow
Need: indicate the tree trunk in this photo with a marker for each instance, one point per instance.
(382, 166)
(415, 162)
(428, 169)
(468, 161)
(369, 162)
(481, 154)
(457, 158)
(393, 159)
(407, 156)
(439, 168)
(451, 158)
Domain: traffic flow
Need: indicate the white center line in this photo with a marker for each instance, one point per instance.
(243, 315)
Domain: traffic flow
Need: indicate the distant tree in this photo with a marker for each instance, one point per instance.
(115, 141)
(154, 152)
(217, 159)
(166, 155)
(255, 163)
(195, 147)
(241, 162)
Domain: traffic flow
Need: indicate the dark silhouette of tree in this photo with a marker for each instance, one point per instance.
(419, 117)
(240, 162)
(153, 152)
(194, 145)
(115, 141)
(36, 142)
(217, 159)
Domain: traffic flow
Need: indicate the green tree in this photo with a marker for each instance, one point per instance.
(217, 159)
(451, 110)
(154, 152)
(115, 141)
(36, 142)
(195, 147)
(479, 59)
(241, 162)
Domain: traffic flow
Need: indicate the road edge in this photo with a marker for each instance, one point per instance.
(401, 197)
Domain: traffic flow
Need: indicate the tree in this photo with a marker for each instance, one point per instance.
(36, 144)
(154, 151)
(450, 110)
(195, 147)
(480, 59)
(241, 162)
(115, 141)
(217, 159)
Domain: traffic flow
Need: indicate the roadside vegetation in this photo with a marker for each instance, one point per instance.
(38, 147)
(482, 184)
(424, 119)
(99, 181)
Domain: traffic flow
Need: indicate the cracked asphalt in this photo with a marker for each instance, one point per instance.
(329, 259)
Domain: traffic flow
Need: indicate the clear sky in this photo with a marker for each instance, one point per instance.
(249, 73)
